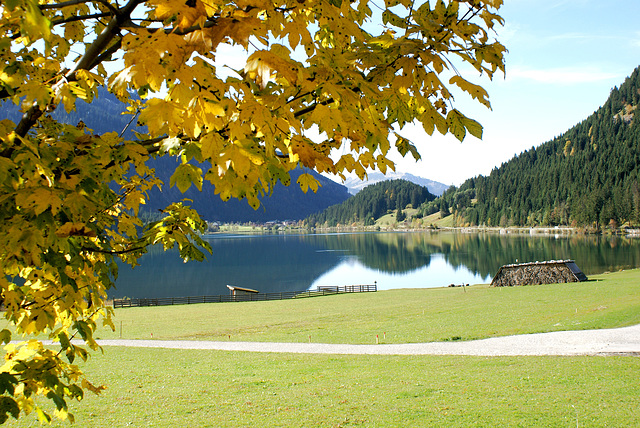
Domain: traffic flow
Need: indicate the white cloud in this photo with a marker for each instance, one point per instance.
(563, 75)
(574, 36)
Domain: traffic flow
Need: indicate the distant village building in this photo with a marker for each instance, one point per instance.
(551, 272)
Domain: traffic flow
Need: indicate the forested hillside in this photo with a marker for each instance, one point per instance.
(588, 176)
(286, 203)
(373, 202)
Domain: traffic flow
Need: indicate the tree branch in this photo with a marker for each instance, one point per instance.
(80, 18)
(92, 52)
(106, 55)
(63, 4)
(210, 23)
(4, 94)
(113, 252)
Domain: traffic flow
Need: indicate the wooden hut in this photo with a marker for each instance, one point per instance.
(551, 272)
(240, 291)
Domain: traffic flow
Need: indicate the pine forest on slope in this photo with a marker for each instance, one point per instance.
(587, 176)
(373, 202)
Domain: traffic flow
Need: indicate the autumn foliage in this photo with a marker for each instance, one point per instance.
(327, 84)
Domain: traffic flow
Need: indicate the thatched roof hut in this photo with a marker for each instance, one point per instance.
(551, 272)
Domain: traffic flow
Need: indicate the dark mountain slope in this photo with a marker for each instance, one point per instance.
(105, 115)
(286, 202)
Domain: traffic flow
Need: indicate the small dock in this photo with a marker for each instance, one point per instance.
(245, 295)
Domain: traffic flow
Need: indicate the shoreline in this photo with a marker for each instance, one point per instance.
(513, 230)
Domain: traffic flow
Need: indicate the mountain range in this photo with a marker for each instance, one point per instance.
(285, 203)
(104, 114)
(355, 184)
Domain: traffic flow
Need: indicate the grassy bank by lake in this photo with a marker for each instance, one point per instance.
(167, 388)
(397, 316)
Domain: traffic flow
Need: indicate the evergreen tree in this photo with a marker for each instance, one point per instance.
(400, 215)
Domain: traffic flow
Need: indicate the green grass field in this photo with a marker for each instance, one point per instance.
(404, 316)
(175, 388)
(168, 388)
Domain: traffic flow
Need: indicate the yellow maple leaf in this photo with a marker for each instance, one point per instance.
(307, 152)
(307, 181)
(95, 389)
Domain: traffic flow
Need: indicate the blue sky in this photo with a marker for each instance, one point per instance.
(564, 58)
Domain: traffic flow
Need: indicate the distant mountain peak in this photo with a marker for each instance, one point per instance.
(355, 184)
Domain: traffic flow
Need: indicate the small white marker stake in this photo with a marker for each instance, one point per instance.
(377, 340)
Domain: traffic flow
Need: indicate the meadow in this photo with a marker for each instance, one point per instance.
(402, 315)
(163, 388)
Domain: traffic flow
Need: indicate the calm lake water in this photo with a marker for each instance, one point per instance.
(273, 263)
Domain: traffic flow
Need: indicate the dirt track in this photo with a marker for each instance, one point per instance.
(619, 341)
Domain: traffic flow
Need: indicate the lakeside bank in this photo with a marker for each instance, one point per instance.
(297, 228)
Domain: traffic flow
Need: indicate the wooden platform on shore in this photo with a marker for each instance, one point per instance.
(325, 290)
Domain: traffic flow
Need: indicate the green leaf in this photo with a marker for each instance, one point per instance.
(185, 175)
(389, 17)
(405, 146)
(456, 126)
(474, 128)
(84, 329)
(64, 340)
(35, 23)
(7, 383)
(71, 356)
(58, 400)
(8, 406)
(11, 4)
(42, 416)
(432, 119)
(5, 336)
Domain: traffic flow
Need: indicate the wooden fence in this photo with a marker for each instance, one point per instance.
(252, 297)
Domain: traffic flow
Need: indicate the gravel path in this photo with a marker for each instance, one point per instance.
(619, 341)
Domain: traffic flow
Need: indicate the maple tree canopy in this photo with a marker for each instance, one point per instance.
(327, 84)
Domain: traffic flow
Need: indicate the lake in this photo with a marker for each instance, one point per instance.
(274, 263)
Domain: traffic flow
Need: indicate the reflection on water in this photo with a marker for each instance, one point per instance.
(437, 273)
(272, 263)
